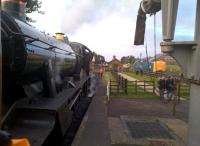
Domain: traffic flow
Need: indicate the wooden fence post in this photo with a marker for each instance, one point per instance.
(144, 86)
(118, 88)
(119, 80)
(126, 86)
(154, 86)
(174, 105)
(108, 91)
(136, 87)
(179, 92)
(110, 87)
(122, 82)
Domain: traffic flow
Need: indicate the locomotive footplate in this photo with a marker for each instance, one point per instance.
(44, 121)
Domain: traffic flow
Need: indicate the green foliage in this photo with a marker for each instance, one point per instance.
(108, 76)
(99, 59)
(173, 69)
(185, 91)
(128, 59)
(33, 6)
(140, 95)
(139, 77)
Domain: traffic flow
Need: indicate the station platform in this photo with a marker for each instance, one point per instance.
(93, 130)
(129, 122)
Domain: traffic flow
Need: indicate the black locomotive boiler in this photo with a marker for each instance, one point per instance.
(43, 78)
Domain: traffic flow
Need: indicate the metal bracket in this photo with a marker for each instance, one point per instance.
(186, 53)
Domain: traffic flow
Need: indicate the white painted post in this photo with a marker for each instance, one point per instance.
(108, 90)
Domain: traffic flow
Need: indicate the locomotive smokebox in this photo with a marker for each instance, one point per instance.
(15, 8)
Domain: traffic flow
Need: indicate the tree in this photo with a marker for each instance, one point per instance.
(124, 60)
(131, 59)
(99, 59)
(128, 59)
(33, 6)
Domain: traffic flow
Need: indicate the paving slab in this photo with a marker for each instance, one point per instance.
(179, 127)
(120, 133)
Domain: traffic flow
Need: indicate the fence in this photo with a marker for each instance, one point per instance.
(121, 85)
(124, 86)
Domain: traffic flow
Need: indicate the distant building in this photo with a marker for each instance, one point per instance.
(126, 67)
(115, 65)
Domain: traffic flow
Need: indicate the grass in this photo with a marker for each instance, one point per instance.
(108, 76)
(139, 77)
(142, 78)
(184, 88)
(185, 91)
(141, 94)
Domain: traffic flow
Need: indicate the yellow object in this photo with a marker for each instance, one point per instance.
(159, 66)
(60, 36)
(20, 142)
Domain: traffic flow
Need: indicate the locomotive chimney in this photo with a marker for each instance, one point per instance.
(60, 36)
(16, 8)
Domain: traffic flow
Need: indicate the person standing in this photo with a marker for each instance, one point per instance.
(101, 72)
(161, 84)
(169, 87)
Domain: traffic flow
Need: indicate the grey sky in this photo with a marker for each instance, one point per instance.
(108, 26)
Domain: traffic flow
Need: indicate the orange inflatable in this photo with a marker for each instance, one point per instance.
(20, 142)
(159, 66)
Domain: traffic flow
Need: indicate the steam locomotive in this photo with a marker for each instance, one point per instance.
(44, 78)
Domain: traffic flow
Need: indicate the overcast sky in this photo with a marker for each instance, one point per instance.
(108, 26)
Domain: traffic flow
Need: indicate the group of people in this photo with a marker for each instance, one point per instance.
(166, 84)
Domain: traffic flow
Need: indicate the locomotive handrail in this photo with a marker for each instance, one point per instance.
(69, 53)
(36, 39)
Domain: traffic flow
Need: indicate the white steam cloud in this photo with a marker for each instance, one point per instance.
(90, 11)
(79, 13)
